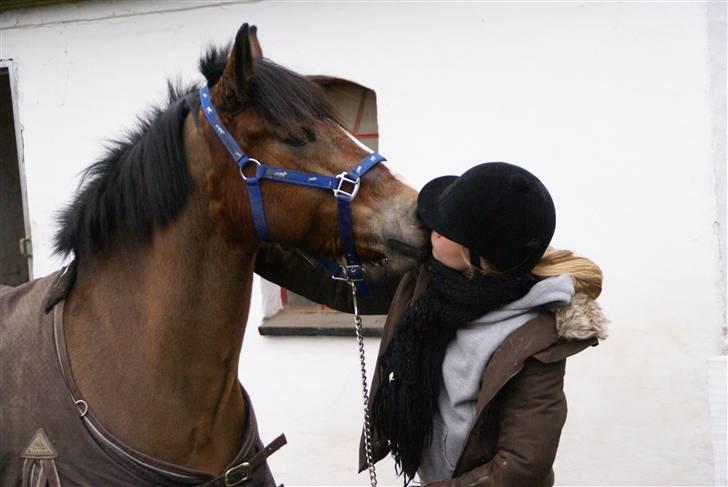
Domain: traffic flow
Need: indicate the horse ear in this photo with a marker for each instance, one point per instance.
(256, 50)
(239, 70)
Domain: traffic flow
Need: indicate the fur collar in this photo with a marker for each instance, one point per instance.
(581, 319)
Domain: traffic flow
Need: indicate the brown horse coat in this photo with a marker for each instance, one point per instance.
(43, 434)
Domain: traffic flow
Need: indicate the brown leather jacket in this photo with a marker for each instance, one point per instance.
(521, 407)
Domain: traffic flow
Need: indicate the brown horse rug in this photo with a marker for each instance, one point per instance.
(48, 434)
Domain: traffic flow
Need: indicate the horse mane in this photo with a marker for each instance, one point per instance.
(142, 182)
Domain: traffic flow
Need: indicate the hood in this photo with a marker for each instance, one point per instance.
(557, 290)
(578, 317)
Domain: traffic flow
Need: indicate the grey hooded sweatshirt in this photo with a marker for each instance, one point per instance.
(465, 359)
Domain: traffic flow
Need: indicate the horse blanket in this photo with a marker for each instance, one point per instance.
(49, 436)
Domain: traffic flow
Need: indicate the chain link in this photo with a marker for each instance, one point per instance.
(365, 390)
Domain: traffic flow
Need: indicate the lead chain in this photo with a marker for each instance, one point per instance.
(365, 391)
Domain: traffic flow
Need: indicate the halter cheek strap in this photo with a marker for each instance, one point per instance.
(345, 187)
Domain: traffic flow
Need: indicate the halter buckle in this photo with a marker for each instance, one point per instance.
(244, 165)
(238, 474)
(340, 193)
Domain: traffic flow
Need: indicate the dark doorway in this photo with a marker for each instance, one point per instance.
(14, 241)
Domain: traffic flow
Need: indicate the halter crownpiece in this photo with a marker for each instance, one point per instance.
(345, 187)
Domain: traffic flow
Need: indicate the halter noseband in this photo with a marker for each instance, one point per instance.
(345, 187)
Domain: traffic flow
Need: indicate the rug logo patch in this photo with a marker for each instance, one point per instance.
(40, 446)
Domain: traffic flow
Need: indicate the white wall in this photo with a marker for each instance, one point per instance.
(611, 104)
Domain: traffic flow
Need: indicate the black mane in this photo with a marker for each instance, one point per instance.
(143, 182)
(140, 183)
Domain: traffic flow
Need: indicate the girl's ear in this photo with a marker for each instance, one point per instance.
(474, 258)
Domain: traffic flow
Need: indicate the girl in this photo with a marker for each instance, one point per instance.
(468, 387)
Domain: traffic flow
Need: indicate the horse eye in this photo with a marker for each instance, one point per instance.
(310, 135)
(297, 141)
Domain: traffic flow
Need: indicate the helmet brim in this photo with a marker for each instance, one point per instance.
(428, 204)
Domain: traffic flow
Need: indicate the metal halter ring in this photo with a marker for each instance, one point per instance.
(243, 471)
(343, 178)
(250, 159)
(346, 273)
(82, 407)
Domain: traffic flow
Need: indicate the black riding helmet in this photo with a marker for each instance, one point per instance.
(499, 211)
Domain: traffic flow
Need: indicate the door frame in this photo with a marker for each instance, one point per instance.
(12, 68)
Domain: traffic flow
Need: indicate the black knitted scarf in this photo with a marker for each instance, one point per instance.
(410, 370)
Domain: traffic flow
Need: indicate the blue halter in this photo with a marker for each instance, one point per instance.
(345, 187)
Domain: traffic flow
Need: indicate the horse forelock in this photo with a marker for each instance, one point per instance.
(212, 63)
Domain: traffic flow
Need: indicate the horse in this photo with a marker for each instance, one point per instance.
(164, 238)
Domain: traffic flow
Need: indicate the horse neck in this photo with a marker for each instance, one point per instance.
(154, 335)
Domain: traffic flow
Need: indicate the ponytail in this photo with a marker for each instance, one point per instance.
(587, 276)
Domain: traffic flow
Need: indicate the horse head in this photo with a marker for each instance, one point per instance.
(284, 120)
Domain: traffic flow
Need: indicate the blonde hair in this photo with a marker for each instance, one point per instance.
(587, 276)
